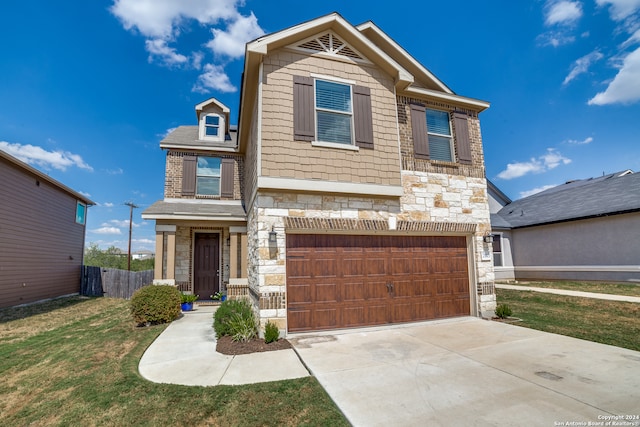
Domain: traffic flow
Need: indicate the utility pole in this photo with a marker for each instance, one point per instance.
(132, 206)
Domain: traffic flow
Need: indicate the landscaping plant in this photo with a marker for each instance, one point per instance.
(503, 311)
(188, 297)
(154, 304)
(271, 332)
(243, 328)
(222, 318)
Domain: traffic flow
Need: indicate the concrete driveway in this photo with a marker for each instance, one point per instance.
(472, 372)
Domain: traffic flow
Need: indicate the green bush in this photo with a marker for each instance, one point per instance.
(243, 328)
(155, 304)
(271, 333)
(503, 311)
(223, 315)
(188, 297)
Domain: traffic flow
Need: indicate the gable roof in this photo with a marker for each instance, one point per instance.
(187, 138)
(29, 169)
(366, 40)
(581, 199)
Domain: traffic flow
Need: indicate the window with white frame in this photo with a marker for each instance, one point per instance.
(334, 112)
(81, 213)
(497, 250)
(208, 176)
(440, 136)
(212, 125)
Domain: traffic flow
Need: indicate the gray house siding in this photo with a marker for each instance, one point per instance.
(41, 245)
(604, 248)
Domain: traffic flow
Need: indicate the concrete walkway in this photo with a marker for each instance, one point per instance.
(185, 353)
(472, 372)
(610, 297)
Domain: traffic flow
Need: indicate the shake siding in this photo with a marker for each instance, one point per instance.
(41, 245)
(251, 159)
(286, 158)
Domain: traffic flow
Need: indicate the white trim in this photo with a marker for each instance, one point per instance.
(351, 113)
(472, 103)
(569, 268)
(452, 151)
(194, 217)
(332, 78)
(239, 281)
(335, 145)
(166, 228)
(232, 149)
(271, 183)
(210, 101)
(234, 229)
(204, 201)
(259, 122)
(202, 134)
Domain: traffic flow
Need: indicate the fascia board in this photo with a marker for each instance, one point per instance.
(474, 104)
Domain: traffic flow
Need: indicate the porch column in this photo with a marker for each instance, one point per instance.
(159, 261)
(171, 256)
(233, 256)
(244, 255)
(164, 267)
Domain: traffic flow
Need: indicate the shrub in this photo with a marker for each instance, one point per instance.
(503, 311)
(243, 328)
(224, 313)
(155, 304)
(271, 333)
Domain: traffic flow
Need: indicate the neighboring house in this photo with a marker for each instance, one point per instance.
(583, 230)
(352, 192)
(42, 231)
(142, 255)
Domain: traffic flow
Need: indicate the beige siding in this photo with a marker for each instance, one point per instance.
(41, 245)
(283, 157)
(251, 162)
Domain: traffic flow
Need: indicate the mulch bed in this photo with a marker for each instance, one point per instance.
(226, 345)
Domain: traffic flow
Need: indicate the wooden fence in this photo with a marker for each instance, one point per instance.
(113, 283)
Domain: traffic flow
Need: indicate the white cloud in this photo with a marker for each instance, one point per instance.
(215, 78)
(107, 205)
(585, 141)
(85, 194)
(620, 9)
(625, 86)
(563, 12)
(107, 230)
(550, 160)
(555, 38)
(162, 21)
(38, 156)
(167, 132)
(145, 241)
(232, 41)
(581, 65)
(119, 223)
(117, 171)
(168, 55)
(533, 191)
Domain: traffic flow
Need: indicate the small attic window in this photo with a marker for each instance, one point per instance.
(212, 127)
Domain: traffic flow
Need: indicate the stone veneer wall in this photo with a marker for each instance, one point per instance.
(428, 198)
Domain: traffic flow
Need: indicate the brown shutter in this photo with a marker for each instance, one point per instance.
(227, 176)
(362, 118)
(189, 166)
(303, 111)
(463, 144)
(419, 131)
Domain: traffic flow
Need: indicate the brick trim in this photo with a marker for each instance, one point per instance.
(294, 224)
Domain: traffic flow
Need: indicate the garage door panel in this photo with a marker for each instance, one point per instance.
(343, 281)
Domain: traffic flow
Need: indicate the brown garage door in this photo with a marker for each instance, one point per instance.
(337, 281)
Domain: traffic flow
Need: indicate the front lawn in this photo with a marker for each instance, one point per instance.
(608, 322)
(74, 362)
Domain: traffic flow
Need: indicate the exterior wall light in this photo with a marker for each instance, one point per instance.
(273, 236)
(488, 237)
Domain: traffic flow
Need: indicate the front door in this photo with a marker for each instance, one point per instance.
(206, 265)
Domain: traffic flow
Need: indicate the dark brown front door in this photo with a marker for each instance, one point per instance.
(206, 265)
(340, 281)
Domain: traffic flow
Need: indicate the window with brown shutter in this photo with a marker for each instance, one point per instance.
(362, 116)
(463, 144)
(419, 131)
(227, 178)
(189, 166)
(303, 111)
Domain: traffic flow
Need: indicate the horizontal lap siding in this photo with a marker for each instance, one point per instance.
(41, 245)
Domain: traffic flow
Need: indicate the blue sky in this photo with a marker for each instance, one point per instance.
(88, 89)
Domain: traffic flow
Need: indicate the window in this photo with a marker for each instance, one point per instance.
(440, 138)
(208, 176)
(333, 112)
(81, 213)
(211, 125)
(497, 250)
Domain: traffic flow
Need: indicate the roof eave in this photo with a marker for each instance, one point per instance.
(471, 103)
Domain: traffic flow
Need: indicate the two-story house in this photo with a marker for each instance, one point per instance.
(351, 193)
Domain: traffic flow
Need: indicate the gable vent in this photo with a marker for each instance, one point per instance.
(331, 44)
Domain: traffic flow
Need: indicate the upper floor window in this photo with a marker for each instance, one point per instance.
(208, 176)
(81, 213)
(212, 127)
(440, 138)
(333, 112)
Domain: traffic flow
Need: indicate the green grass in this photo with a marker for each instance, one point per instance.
(74, 362)
(608, 322)
(597, 287)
